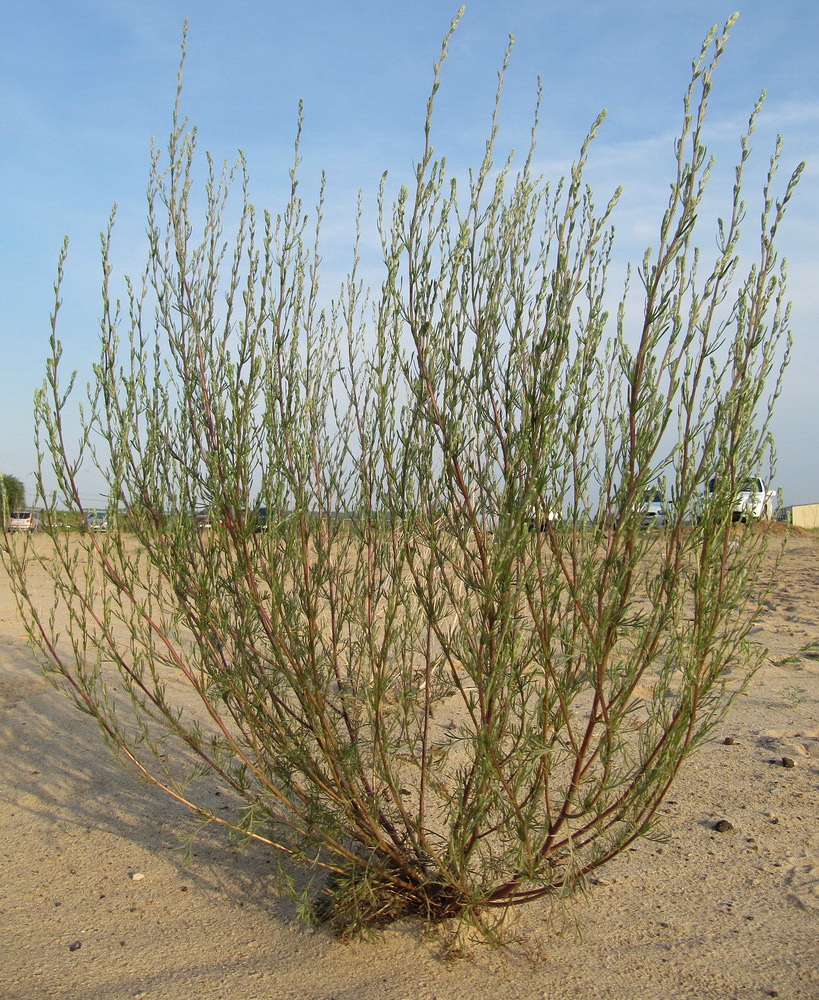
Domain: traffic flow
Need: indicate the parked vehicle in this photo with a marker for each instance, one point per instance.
(203, 519)
(96, 520)
(24, 520)
(541, 517)
(654, 510)
(753, 501)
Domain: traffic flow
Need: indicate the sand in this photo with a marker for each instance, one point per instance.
(97, 900)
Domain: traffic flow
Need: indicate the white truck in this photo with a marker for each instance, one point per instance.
(753, 501)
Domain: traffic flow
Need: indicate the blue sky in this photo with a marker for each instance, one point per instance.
(86, 83)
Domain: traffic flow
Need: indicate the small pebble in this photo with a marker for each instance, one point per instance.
(723, 826)
(75, 946)
(137, 876)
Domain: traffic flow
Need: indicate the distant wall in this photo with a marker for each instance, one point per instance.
(805, 515)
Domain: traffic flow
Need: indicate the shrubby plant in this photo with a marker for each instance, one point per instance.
(12, 493)
(424, 640)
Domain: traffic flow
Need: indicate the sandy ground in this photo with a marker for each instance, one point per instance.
(98, 903)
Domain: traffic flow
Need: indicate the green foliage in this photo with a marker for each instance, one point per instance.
(13, 493)
(452, 672)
